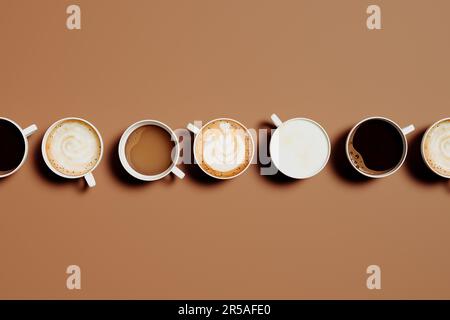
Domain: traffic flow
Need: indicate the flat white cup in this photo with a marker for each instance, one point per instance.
(195, 130)
(422, 146)
(28, 131)
(273, 144)
(175, 154)
(89, 177)
(403, 131)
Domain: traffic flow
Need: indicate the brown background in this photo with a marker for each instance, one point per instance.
(252, 237)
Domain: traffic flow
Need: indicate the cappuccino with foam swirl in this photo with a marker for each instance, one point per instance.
(73, 147)
(436, 148)
(224, 148)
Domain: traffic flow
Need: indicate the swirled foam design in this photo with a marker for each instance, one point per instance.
(224, 148)
(437, 148)
(73, 147)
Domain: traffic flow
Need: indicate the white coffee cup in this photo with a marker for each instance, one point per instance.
(89, 177)
(175, 154)
(422, 148)
(403, 131)
(28, 131)
(196, 130)
(285, 165)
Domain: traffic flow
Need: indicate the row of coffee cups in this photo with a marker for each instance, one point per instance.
(223, 148)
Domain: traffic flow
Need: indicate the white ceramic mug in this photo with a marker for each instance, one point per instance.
(422, 147)
(195, 130)
(175, 154)
(403, 132)
(89, 177)
(28, 131)
(275, 142)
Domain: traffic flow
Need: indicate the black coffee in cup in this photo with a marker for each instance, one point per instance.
(376, 147)
(12, 147)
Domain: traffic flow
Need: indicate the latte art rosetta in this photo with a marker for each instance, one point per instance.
(73, 147)
(223, 148)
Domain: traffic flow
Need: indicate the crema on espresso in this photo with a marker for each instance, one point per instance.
(73, 147)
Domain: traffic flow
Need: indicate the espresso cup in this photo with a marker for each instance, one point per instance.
(13, 146)
(299, 147)
(223, 148)
(72, 148)
(435, 148)
(377, 146)
(149, 150)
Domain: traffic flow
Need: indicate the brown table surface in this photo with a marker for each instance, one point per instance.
(254, 236)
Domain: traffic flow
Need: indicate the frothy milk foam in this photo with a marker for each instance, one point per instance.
(224, 148)
(437, 147)
(300, 148)
(73, 147)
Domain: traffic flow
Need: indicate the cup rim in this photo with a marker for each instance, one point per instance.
(124, 139)
(328, 143)
(44, 142)
(25, 152)
(251, 156)
(422, 146)
(405, 147)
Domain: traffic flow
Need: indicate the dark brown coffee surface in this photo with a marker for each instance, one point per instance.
(148, 150)
(259, 236)
(12, 147)
(378, 145)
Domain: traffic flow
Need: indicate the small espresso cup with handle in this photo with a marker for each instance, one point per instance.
(174, 152)
(435, 148)
(223, 148)
(376, 147)
(72, 148)
(299, 147)
(13, 146)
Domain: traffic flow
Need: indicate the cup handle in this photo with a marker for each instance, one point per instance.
(408, 129)
(193, 128)
(89, 177)
(176, 171)
(276, 120)
(28, 131)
